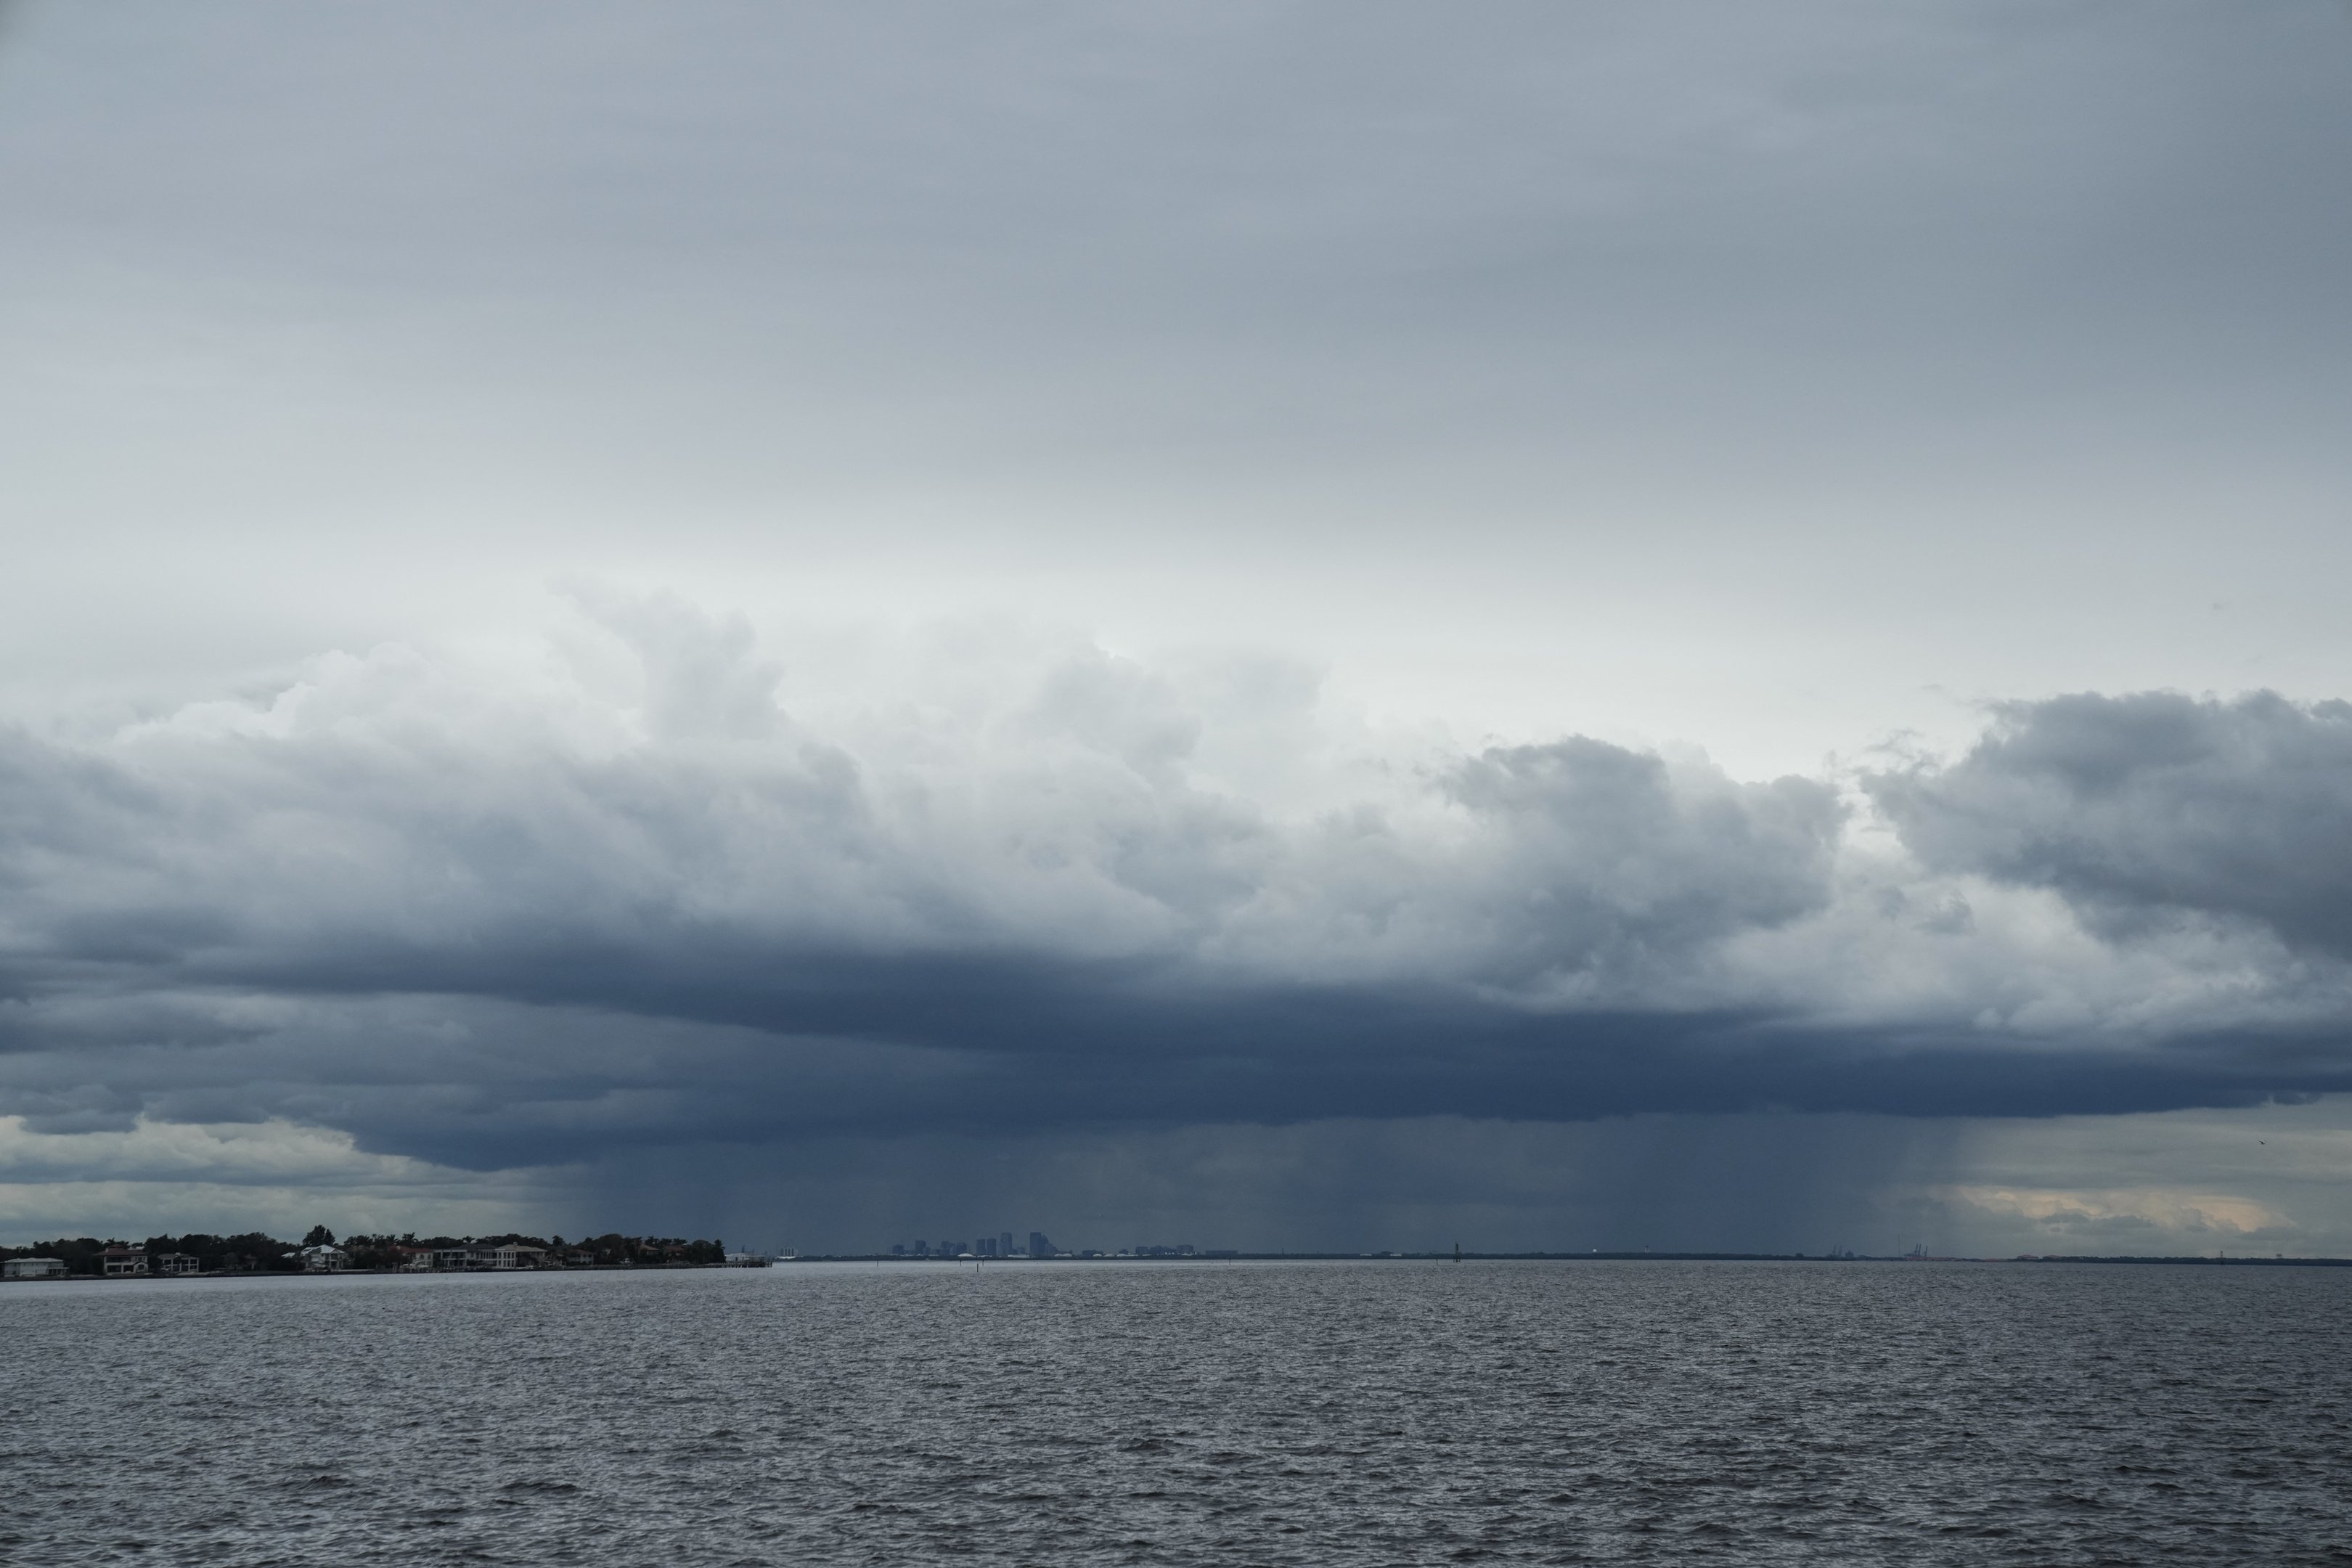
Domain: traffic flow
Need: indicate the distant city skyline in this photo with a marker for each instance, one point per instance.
(1040, 1246)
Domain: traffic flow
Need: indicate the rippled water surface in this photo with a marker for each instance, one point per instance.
(1389, 1412)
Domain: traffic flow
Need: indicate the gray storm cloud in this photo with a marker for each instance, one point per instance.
(508, 914)
(388, 825)
(2153, 807)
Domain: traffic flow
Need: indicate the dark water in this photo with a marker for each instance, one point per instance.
(1186, 1414)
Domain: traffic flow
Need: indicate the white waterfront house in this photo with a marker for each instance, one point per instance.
(325, 1260)
(483, 1256)
(34, 1269)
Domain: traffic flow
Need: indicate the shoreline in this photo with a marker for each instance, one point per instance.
(1439, 1257)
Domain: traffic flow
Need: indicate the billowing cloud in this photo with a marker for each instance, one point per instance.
(2153, 807)
(1044, 877)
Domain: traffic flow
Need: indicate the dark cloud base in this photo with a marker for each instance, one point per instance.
(491, 952)
(862, 1047)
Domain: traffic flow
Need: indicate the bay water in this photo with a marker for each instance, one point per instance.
(1376, 1412)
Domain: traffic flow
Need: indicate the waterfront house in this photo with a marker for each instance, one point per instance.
(124, 1262)
(178, 1265)
(34, 1269)
(513, 1255)
(324, 1259)
(483, 1255)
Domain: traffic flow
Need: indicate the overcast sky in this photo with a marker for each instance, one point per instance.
(1546, 625)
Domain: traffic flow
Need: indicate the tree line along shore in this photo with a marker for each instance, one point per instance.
(198, 1254)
